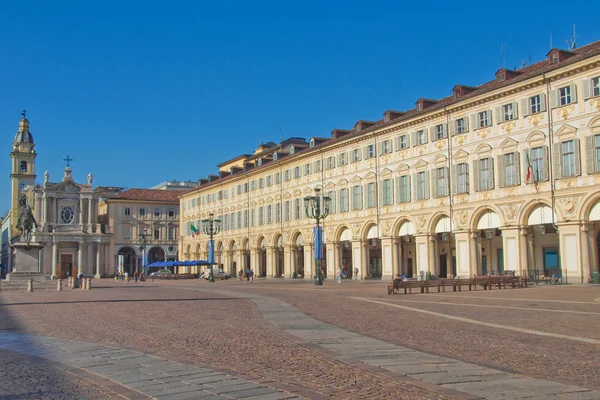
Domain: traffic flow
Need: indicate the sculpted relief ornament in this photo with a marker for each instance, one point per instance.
(421, 219)
(510, 211)
(569, 204)
(461, 218)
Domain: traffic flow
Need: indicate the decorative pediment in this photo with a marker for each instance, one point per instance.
(536, 136)
(278, 197)
(307, 191)
(566, 130)
(331, 185)
(483, 148)
(297, 192)
(371, 175)
(269, 199)
(253, 203)
(421, 164)
(403, 167)
(261, 201)
(509, 144)
(356, 179)
(440, 159)
(287, 195)
(461, 154)
(594, 124)
(386, 172)
(342, 182)
(239, 207)
(70, 187)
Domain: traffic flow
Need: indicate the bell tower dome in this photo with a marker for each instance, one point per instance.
(23, 169)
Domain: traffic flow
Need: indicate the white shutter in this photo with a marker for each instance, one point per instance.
(416, 186)
(366, 152)
(445, 129)
(490, 121)
(525, 107)
(517, 168)
(408, 192)
(361, 198)
(589, 155)
(515, 107)
(557, 161)
(587, 85)
(454, 183)
(414, 138)
(397, 182)
(432, 134)
(446, 187)
(476, 174)
(573, 88)
(397, 140)
(466, 124)
(467, 177)
(546, 165)
(499, 114)
(427, 184)
(474, 122)
(577, 151)
(407, 140)
(425, 135)
(501, 178)
(379, 149)
(434, 181)
(492, 175)
(553, 99)
(543, 102)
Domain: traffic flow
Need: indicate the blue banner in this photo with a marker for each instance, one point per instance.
(318, 234)
(211, 252)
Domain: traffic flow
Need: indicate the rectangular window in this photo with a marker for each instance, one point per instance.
(127, 211)
(277, 178)
(462, 177)
(387, 192)
(171, 233)
(483, 118)
(286, 175)
(386, 146)
(440, 132)
(355, 155)
(278, 212)
(239, 219)
(421, 137)
(595, 86)
(508, 112)
(370, 151)
(332, 204)
(171, 212)
(565, 96)
(344, 200)
(245, 188)
(318, 166)
(537, 163)
(342, 159)
(330, 162)
(157, 212)
(231, 220)
(404, 189)
(422, 186)
(297, 209)
(357, 198)
(371, 197)
(261, 183)
(307, 170)
(403, 142)
(269, 214)
(485, 174)
(296, 172)
(239, 189)
(535, 104)
(142, 212)
(245, 218)
(460, 126)
(597, 152)
(286, 211)
(269, 180)
(127, 232)
(156, 234)
(253, 185)
(568, 158)
(510, 169)
(261, 216)
(252, 220)
(442, 181)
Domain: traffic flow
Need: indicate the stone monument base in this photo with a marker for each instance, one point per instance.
(27, 263)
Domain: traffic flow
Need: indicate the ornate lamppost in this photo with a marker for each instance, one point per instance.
(144, 238)
(313, 208)
(211, 227)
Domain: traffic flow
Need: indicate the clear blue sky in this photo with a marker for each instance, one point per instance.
(141, 92)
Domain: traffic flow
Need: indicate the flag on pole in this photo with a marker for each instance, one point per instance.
(529, 168)
(194, 230)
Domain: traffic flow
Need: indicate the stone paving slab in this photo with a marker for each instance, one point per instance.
(483, 382)
(145, 374)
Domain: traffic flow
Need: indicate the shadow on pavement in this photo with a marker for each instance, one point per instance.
(4, 305)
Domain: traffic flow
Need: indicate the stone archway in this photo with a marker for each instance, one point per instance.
(126, 260)
(444, 247)
(543, 241)
(298, 259)
(405, 250)
(374, 267)
(278, 256)
(489, 246)
(261, 252)
(344, 238)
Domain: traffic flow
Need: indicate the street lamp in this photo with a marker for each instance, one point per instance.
(312, 205)
(144, 237)
(211, 227)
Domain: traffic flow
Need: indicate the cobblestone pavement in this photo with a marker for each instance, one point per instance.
(225, 333)
(27, 377)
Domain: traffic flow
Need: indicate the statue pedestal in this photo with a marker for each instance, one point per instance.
(26, 262)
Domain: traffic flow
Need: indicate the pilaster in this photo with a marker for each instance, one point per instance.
(270, 262)
(465, 268)
(387, 258)
(357, 258)
(569, 236)
(423, 249)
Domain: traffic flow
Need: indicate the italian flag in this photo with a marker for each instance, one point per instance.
(529, 169)
(194, 230)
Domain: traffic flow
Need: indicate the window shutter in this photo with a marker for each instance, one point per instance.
(553, 99)
(573, 92)
(379, 148)
(414, 138)
(432, 133)
(340, 197)
(447, 175)
(434, 179)
(501, 180)
(391, 191)
(466, 124)
(425, 136)
(445, 128)
(408, 188)
(427, 184)
(543, 102)
(517, 168)
(381, 190)
(557, 161)
(366, 152)
(416, 187)
(474, 122)
(362, 196)
(489, 114)
(454, 179)
(589, 155)
(407, 140)
(525, 107)
(515, 107)
(545, 164)
(492, 174)
(351, 196)
(397, 143)
(499, 114)
(359, 155)
(577, 150)
(397, 182)
(476, 175)
(587, 93)
(467, 177)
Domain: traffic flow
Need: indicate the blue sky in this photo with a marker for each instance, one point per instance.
(142, 92)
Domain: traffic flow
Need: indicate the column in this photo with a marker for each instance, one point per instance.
(54, 259)
(89, 212)
(464, 261)
(80, 259)
(309, 261)
(89, 268)
(270, 262)
(254, 260)
(333, 262)
(387, 258)
(357, 259)
(524, 260)
(396, 256)
(288, 260)
(569, 236)
(44, 212)
(586, 265)
(81, 224)
(98, 269)
(422, 250)
(594, 244)
(512, 248)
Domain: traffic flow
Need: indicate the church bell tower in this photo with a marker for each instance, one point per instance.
(23, 170)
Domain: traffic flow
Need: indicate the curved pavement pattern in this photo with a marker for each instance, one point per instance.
(149, 376)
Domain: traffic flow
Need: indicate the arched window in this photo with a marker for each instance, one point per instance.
(23, 166)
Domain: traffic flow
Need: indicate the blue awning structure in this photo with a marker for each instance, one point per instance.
(178, 263)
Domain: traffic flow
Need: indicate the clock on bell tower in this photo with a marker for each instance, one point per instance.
(23, 169)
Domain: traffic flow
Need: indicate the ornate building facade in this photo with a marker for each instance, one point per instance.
(141, 220)
(502, 176)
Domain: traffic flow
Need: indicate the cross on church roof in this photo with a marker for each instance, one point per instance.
(24, 113)
(68, 160)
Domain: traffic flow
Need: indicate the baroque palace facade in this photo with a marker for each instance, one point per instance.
(502, 176)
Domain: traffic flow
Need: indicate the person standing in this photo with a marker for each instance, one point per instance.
(251, 275)
(135, 276)
(339, 275)
(241, 274)
(127, 276)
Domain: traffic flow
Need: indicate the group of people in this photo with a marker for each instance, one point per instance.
(249, 275)
(124, 276)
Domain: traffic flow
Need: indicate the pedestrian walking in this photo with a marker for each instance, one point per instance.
(241, 274)
(142, 277)
(251, 275)
(248, 274)
(135, 276)
(127, 276)
(339, 275)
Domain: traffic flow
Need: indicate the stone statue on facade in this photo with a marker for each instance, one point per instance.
(46, 177)
(26, 220)
(90, 178)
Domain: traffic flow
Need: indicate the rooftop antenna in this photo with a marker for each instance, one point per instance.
(573, 41)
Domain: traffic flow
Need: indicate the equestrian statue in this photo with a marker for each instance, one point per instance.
(26, 221)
